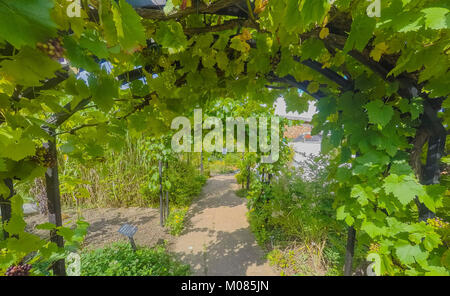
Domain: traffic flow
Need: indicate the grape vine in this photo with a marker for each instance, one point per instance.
(81, 84)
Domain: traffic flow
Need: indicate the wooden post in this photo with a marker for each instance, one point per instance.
(161, 208)
(167, 205)
(431, 172)
(350, 250)
(248, 177)
(5, 205)
(54, 203)
(167, 192)
(201, 162)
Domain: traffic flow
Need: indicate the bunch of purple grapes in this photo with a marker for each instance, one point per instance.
(52, 47)
(18, 270)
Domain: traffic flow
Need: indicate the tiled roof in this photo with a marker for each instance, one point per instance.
(292, 132)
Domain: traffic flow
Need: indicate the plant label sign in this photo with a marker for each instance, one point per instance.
(128, 230)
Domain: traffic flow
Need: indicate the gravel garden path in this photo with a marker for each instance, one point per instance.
(217, 239)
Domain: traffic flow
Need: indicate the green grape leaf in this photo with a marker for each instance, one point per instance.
(130, 31)
(435, 18)
(437, 271)
(222, 60)
(314, 11)
(291, 17)
(65, 232)
(404, 188)
(294, 102)
(25, 244)
(171, 36)
(360, 33)
(46, 226)
(78, 57)
(29, 67)
(379, 113)
(416, 108)
(20, 149)
(91, 41)
(408, 253)
(363, 196)
(4, 101)
(104, 89)
(15, 225)
(431, 241)
(26, 22)
(371, 229)
(3, 167)
(312, 48)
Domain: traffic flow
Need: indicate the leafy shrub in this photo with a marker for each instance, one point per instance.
(175, 221)
(299, 203)
(296, 211)
(241, 192)
(120, 260)
(223, 164)
(185, 183)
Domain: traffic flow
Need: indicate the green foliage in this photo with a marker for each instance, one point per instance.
(294, 219)
(184, 182)
(24, 247)
(130, 31)
(115, 180)
(242, 192)
(294, 207)
(26, 22)
(223, 164)
(187, 183)
(128, 178)
(29, 66)
(119, 259)
(170, 36)
(175, 221)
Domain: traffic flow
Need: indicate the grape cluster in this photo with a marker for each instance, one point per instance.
(275, 60)
(437, 223)
(374, 247)
(43, 157)
(52, 48)
(18, 270)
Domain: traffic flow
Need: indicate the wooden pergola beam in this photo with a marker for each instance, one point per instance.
(222, 7)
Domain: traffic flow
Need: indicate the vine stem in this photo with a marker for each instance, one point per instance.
(250, 12)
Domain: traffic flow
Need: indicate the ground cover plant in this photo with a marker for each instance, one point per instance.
(119, 259)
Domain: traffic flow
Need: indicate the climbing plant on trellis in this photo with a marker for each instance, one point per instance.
(78, 84)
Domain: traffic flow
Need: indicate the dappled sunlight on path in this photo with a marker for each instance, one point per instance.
(217, 239)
